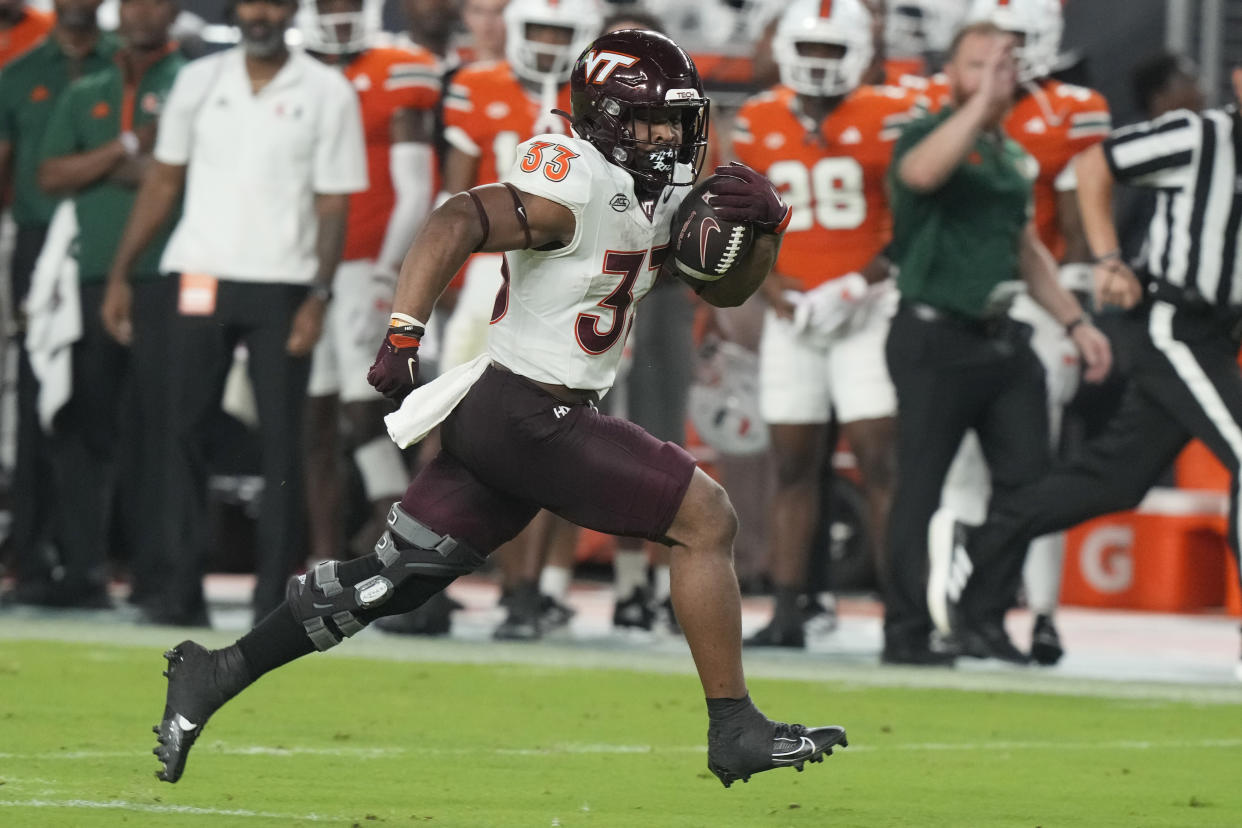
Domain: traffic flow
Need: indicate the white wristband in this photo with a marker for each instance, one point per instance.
(406, 319)
(130, 142)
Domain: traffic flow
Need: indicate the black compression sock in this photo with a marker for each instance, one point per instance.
(277, 639)
(720, 711)
(786, 613)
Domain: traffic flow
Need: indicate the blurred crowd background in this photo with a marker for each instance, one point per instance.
(692, 374)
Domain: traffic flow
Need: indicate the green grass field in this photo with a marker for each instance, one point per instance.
(345, 741)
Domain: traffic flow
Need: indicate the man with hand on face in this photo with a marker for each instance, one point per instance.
(267, 145)
(962, 237)
(29, 87)
(97, 144)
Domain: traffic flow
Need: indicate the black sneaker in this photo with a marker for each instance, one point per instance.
(915, 653)
(432, 618)
(988, 639)
(200, 681)
(778, 635)
(739, 756)
(949, 568)
(554, 616)
(634, 613)
(1046, 646)
(666, 617)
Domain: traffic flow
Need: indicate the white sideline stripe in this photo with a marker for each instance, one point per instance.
(575, 749)
(143, 807)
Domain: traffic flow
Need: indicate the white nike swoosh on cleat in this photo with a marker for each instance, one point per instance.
(806, 748)
(184, 723)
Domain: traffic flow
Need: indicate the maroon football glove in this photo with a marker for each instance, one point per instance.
(741, 194)
(395, 372)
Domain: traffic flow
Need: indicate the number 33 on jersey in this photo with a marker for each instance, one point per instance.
(562, 315)
(831, 174)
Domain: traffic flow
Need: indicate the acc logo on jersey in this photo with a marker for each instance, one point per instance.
(601, 65)
(620, 202)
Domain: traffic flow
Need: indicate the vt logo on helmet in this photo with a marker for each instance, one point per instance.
(637, 97)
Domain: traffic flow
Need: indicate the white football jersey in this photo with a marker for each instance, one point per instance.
(562, 316)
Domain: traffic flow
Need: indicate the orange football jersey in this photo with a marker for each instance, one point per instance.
(386, 80)
(31, 29)
(1053, 122)
(488, 112)
(832, 175)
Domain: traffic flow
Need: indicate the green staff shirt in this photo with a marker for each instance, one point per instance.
(29, 87)
(90, 114)
(954, 245)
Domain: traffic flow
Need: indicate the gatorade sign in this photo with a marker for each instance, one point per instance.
(1106, 558)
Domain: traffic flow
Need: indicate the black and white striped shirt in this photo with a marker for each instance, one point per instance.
(1194, 161)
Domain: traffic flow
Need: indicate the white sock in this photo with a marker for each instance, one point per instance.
(554, 581)
(382, 469)
(629, 572)
(1042, 573)
(663, 583)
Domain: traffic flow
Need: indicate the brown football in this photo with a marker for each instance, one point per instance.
(706, 247)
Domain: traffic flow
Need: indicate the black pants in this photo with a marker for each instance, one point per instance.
(951, 376)
(1184, 383)
(260, 315)
(83, 449)
(32, 475)
(144, 424)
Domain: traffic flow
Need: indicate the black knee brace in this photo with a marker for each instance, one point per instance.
(407, 549)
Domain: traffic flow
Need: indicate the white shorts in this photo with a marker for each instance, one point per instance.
(806, 382)
(352, 330)
(465, 333)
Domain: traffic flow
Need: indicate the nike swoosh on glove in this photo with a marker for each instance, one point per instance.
(395, 370)
(743, 195)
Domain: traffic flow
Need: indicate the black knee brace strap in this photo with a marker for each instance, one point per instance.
(407, 549)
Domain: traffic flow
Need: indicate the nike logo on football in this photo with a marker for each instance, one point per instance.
(708, 227)
(411, 365)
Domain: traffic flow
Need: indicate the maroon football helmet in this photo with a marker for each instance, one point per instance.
(637, 75)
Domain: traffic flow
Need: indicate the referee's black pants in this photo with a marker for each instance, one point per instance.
(260, 315)
(953, 374)
(1185, 383)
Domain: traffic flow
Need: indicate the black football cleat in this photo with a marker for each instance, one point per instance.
(200, 681)
(782, 746)
(1046, 646)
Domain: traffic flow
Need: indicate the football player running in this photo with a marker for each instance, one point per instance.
(1053, 122)
(398, 90)
(584, 226)
(489, 110)
(825, 140)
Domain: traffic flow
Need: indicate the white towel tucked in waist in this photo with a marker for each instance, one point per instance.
(428, 406)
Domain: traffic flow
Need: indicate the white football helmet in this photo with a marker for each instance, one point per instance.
(844, 23)
(1039, 22)
(582, 17)
(338, 33)
(916, 28)
(723, 403)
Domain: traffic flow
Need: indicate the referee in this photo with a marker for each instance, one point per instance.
(1184, 336)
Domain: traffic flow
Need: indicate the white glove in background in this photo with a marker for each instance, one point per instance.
(821, 312)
